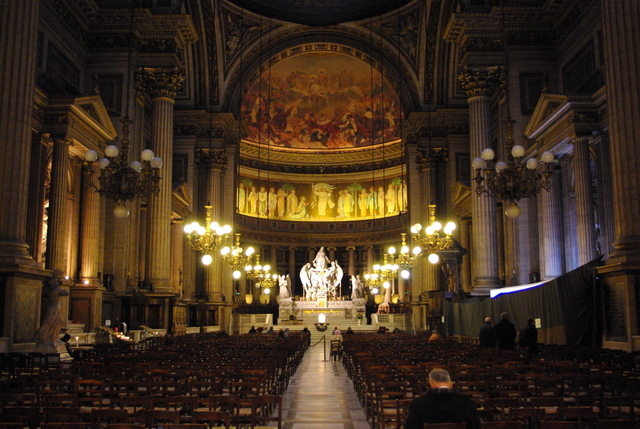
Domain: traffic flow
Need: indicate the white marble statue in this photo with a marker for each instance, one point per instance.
(285, 289)
(322, 277)
(48, 335)
(357, 288)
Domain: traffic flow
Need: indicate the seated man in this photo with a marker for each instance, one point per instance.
(442, 405)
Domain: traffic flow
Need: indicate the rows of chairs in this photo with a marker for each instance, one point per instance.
(218, 381)
(560, 387)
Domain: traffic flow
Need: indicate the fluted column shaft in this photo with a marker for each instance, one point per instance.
(351, 270)
(158, 264)
(465, 272)
(428, 169)
(622, 52)
(162, 87)
(584, 201)
(292, 269)
(57, 230)
(228, 208)
(18, 42)
(480, 85)
(35, 213)
(213, 273)
(90, 227)
(550, 227)
(484, 234)
(177, 257)
(605, 192)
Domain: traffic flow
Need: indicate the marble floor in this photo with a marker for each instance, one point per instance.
(321, 396)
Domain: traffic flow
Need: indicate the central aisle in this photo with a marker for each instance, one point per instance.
(321, 396)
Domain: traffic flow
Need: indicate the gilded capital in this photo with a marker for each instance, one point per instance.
(158, 83)
(477, 81)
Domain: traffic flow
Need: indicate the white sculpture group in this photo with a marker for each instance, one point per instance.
(321, 278)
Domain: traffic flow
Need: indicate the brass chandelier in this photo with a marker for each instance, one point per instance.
(261, 274)
(436, 238)
(382, 275)
(237, 258)
(406, 258)
(122, 180)
(513, 179)
(208, 238)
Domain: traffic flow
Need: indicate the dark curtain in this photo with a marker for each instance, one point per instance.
(581, 305)
(568, 309)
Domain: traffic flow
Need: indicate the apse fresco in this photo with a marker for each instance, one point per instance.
(321, 101)
(321, 201)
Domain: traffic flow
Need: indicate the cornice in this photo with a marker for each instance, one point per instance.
(321, 162)
(304, 234)
(154, 33)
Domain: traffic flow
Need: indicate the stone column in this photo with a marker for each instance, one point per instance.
(619, 275)
(292, 270)
(57, 231)
(161, 87)
(584, 201)
(216, 163)
(550, 231)
(465, 266)
(37, 180)
(177, 257)
(605, 197)
(86, 295)
(428, 161)
(90, 227)
(228, 210)
(480, 84)
(19, 24)
(369, 259)
(351, 270)
(332, 253)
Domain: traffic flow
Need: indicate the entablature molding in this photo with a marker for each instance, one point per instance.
(518, 21)
(83, 120)
(558, 119)
(154, 33)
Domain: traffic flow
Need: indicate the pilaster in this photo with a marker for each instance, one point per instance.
(620, 276)
(19, 23)
(57, 224)
(550, 231)
(584, 201)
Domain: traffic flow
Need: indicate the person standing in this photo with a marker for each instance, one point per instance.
(441, 404)
(488, 334)
(505, 333)
(528, 340)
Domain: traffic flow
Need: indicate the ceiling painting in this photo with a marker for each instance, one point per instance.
(321, 101)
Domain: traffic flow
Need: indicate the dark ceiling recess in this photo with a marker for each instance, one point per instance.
(320, 12)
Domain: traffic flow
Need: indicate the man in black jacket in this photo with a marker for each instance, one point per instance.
(442, 405)
(506, 333)
(488, 334)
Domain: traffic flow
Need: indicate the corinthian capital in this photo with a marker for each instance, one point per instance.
(213, 159)
(431, 158)
(482, 80)
(158, 83)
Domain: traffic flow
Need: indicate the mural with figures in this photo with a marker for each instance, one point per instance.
(322, 201)
(321, 101)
